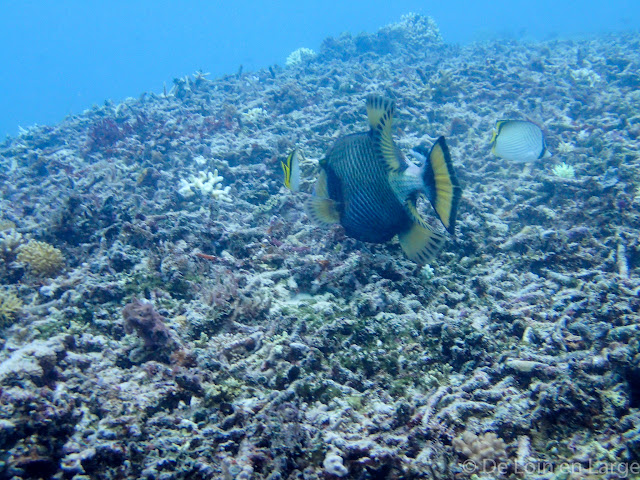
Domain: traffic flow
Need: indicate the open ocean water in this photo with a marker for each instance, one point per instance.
(320, 241)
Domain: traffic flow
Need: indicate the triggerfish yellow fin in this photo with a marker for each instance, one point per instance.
(291, 170)
(420, 243)
(322, 209)
(380, 112)
(441, 184)
(518, 141)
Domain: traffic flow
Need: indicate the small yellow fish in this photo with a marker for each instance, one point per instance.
(291, 169)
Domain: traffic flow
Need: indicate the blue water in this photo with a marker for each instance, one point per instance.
(59, 58)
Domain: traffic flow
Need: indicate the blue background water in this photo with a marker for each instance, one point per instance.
(62, 57)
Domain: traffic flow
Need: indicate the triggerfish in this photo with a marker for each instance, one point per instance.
(518, 141)
(366, 184)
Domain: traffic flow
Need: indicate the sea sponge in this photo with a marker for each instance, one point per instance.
(41, 258)
(480, 449)
(10, 305)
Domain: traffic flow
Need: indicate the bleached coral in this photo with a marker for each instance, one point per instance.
(206, 182)
(300, 55)
(41, 258)
(427, 272)
(9, 241)
(254, 115)
(566, 147)
(564, 171)
(585, 75)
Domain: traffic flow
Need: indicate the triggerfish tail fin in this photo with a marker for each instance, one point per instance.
(322, 209)
(441, 184)
(420, 243)
(291, 170)
(380, 112)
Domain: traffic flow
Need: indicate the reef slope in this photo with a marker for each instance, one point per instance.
(163, 327)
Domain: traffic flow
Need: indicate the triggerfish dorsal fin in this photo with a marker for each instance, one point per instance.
(320, 207)
(442, 185)
(380, 111)
(420, 243)
(377, 107)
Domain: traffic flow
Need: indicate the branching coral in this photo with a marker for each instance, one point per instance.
(41, 258)
(208, 183)
(10, 305)
(10, 239)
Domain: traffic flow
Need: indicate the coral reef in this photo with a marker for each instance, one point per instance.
(189, 337)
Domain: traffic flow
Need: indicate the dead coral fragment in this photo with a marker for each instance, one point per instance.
(41, 258)
(10, 305)
(480, 449)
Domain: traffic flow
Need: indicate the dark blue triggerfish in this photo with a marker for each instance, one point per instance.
(367, 185)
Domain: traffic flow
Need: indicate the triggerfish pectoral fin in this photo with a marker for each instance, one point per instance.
(322, 209)
(442, 185)
(420, 243)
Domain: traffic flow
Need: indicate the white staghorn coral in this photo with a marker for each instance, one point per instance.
(208, 183)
